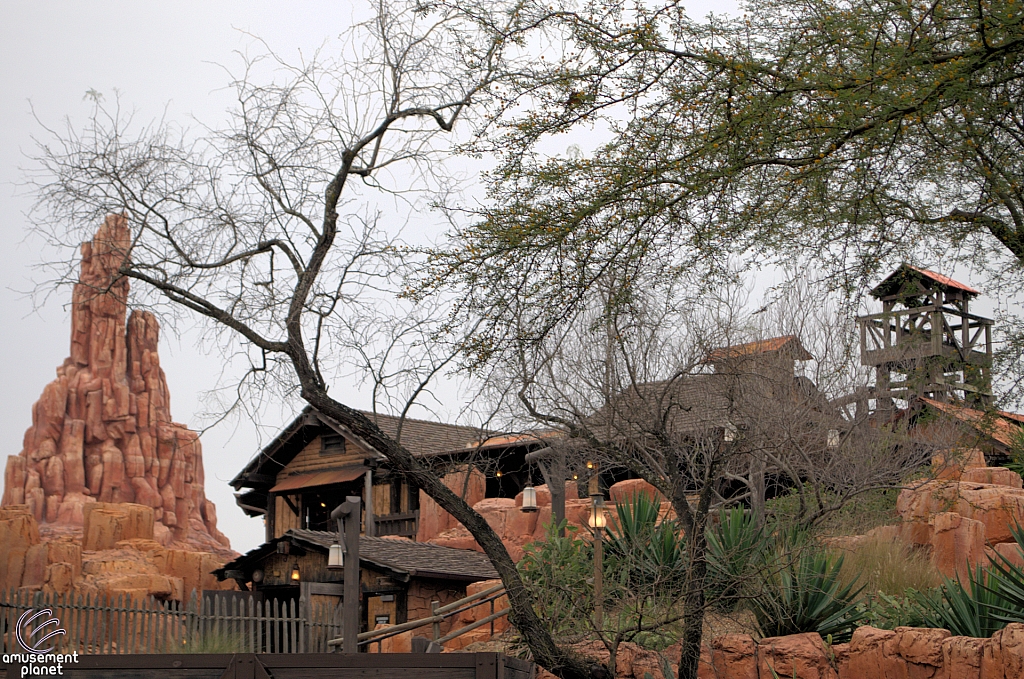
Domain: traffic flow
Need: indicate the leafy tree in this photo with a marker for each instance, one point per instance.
(853, 132)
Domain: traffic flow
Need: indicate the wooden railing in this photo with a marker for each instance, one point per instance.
(439, 615)
(403, 525)
(217, 623)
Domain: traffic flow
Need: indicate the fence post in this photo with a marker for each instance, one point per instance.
(434, 605)
(305, 626)
(192, 619)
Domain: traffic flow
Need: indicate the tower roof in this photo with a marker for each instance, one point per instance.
(896, 282)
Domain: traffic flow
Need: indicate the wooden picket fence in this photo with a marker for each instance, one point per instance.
(215, 623)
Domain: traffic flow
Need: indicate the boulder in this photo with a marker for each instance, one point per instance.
(867, 656)
(997, 476)
(961, 657)
(950, 464)
(734, 656)
(624, 491)
(957, 543)
(802, 656)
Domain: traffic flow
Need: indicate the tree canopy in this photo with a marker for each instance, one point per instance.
(850, 132)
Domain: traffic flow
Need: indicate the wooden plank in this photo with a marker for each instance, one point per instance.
(487, 666)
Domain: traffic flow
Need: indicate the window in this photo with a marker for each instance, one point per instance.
(332, 444)
(833, 438)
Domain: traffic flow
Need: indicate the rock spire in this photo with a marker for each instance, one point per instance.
(102, 431)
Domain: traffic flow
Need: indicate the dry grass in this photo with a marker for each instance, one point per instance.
(884, 563)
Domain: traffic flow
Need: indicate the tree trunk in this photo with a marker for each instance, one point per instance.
(546, 653)
(693, 602)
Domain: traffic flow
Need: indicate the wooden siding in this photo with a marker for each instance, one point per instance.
(284, 517)
(277, 569)
(310, 460)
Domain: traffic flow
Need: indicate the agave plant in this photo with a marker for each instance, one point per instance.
(646, 551)
(977, 610)
(1004, 588)
(735, 545)
(800, 591)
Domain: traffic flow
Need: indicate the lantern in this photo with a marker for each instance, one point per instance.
(336, 558)
(529, 499)
(295, 573)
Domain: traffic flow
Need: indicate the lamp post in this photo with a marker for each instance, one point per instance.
(598, 522)
(347, 556)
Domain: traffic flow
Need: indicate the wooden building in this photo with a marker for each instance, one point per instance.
(314, 463)
(398, 578)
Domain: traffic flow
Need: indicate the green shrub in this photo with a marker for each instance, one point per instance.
(735, 545)
(857, 516)
(886, 611)
(556, 571)
(977, 610)
(800, 590)
(646, 557)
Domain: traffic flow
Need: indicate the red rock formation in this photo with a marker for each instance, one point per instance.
(102, 431)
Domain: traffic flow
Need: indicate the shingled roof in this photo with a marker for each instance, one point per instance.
(766, 346)
(990, 424)
(420, 437)
(402, 557)
(894, 282)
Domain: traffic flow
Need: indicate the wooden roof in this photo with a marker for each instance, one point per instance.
(420, 437)
(993, 425)
(894, 282)
(402, 557)
(767, 346)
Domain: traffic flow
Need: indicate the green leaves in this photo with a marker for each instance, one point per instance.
(993, 598)
(801, 591)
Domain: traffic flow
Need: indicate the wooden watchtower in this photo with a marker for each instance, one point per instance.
(926, 342)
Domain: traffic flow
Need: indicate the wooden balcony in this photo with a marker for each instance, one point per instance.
(404, 524)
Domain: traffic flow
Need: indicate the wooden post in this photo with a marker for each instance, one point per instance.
(436, 629)
(347, 516)
(371, 523)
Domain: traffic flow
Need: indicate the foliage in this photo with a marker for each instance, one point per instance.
(215, 642)
(889, 566)
(856, 516)
(1007, 580)
(976, 610)
(645, 554)
(1016, 462)
(735, 545)
(886, 611)
(800, 590)
(557, 571)
(856, 132)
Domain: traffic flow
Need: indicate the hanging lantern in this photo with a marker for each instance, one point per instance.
(295, 573)
(336, 558)
(529, 499)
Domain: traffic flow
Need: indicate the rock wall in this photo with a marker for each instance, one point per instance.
(903, 653)
(964, 514)
(118, 556)
(102, 431)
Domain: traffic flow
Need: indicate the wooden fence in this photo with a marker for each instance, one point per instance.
(216, 623)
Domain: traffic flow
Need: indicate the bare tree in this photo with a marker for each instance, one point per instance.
(685, 392)
(269, 228)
